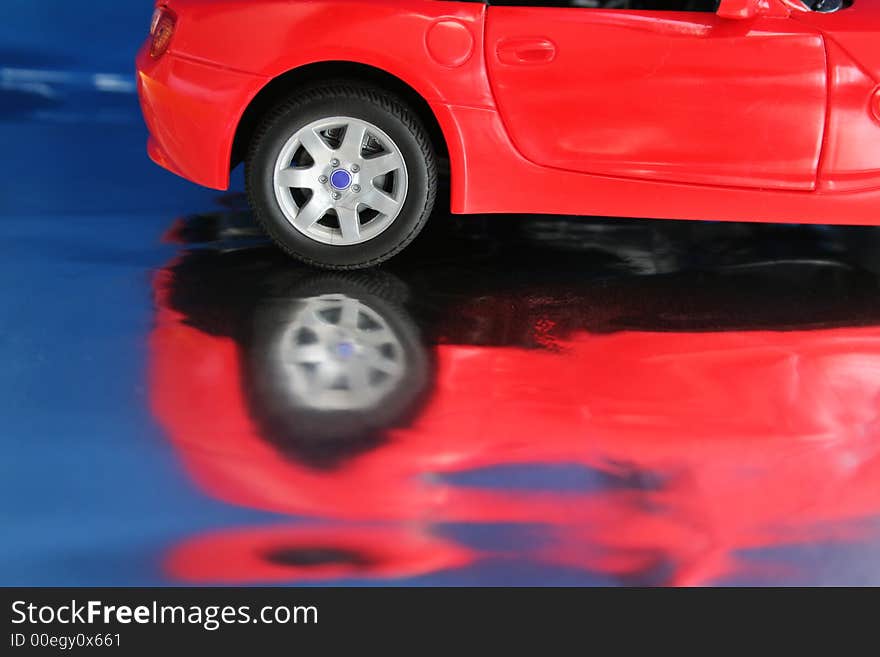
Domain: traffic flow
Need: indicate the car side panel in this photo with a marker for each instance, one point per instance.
(526, 187)
(662, 95)
(851, 159)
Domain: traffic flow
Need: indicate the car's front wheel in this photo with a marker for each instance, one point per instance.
(342, 176)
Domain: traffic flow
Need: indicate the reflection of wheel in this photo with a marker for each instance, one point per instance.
(332, 365)
(339, 354)
(342, 176)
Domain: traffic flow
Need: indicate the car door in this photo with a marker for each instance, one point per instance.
(684, 95)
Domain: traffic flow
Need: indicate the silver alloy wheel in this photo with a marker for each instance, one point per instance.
(340, 355)
(340, 181)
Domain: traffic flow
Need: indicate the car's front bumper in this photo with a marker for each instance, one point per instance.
(192, 110)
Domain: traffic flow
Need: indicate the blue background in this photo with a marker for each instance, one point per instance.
(93, 494)
(100, 35)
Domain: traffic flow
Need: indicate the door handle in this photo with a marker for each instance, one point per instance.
(526, 50)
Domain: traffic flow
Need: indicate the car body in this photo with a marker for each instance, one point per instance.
(761, 111)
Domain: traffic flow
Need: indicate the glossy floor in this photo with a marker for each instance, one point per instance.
(513, 401)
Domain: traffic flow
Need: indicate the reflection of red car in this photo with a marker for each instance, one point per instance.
(699, 109)
(700, 443)
(282, 554)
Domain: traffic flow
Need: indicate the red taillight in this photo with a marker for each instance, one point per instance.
(161, 31)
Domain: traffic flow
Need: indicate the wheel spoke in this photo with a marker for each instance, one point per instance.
(326, 375)
(311, 212)
(297, 178)
(352, 142)
(377, 337)
(349, 223)
(312, 353)
(380, 201)
(315, 145)
(380, 165)
(349, 315)
(385, 365)
(358, 379)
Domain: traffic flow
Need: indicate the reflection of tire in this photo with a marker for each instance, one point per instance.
(332, 364)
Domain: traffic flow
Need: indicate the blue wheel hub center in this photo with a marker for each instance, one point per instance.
(345, 350)
(340, 179)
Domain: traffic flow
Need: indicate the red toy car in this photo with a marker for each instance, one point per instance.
(343, 110)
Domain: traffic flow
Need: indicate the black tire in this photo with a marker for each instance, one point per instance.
(343, 98)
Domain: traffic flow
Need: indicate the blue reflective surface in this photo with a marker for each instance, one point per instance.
(127, 460)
